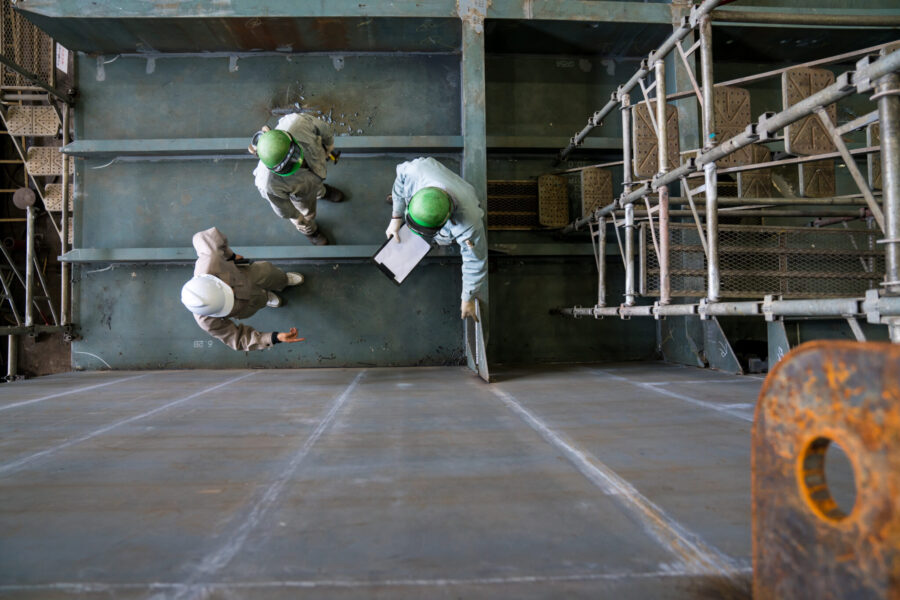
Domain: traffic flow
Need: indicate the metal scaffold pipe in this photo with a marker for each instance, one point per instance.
(680, 32)
(29, 266)
(629, 210)
(64, 284)
(665, 281)
(887, 91)
(706, 81)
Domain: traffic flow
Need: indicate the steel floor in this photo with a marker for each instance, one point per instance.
(619, 481)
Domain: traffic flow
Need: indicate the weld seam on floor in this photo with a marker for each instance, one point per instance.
(76, 391)
(214, 562)
(697, 556)
(724, 409)
(21, 462)
(76, 587)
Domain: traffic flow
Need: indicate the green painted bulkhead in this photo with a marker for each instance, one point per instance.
(389, 78)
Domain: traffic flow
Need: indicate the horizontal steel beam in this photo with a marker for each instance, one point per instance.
(324, 254)
(809, 17)
(238, 146)
(545, 10)
(33, 330)
(357, 144)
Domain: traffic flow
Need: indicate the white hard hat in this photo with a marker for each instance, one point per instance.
(207, 295)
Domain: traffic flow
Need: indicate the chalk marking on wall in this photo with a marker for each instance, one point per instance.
(696, 555)
(19, 463)
(94, 355)
(216, 561)
(67, 392)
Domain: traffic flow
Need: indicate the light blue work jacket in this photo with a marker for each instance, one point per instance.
(466, 223)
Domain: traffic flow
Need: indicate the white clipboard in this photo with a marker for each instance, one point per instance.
(398, 259)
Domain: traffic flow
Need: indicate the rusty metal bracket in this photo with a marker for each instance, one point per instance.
(805, 544)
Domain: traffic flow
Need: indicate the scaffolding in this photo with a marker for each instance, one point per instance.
(35, 117)
(800, 280)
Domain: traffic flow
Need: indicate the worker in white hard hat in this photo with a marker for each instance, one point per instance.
(222, 290)
(291, 170)
(442, 207)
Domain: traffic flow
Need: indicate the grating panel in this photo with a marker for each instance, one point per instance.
(732, 112)
(646, 158)
(45, 161)
(25, 45)
(512, 204)
(873, 138)
(792, 262)
(596, 189)
(553, 201)
(53, 197)
(817, 179)
(807, 136)
(33, 121)
(757, 183)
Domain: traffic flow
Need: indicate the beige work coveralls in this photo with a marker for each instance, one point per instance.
(249, 283)
(294, 196)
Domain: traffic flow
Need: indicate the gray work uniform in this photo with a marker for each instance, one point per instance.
(249, 283)
(294, 196)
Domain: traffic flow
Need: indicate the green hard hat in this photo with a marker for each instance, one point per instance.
(279, 151)
(429, 209)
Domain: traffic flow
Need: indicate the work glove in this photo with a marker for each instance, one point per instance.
(467, 309)
(394, 228)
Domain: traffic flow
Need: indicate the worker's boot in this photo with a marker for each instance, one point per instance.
(332, 194)
(317, 239)
(294, 278)
(274, 300)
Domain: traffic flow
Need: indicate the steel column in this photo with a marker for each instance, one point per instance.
(29, 266)
(474, 156)
(889, 116)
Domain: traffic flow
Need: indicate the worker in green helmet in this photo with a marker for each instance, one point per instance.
(440, 206)
(291, 170)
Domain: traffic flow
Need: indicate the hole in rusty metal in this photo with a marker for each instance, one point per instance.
(827, 479)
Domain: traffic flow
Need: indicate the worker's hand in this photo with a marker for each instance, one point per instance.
(329, 148)
(237, 257)
(394, 228)
(289, 336)
(467, 309)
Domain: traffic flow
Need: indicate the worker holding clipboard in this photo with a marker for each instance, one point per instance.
(432, 204)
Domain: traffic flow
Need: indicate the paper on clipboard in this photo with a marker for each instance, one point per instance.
(398, 259)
